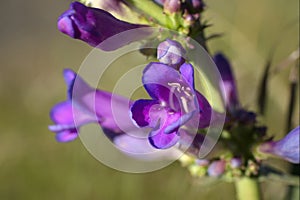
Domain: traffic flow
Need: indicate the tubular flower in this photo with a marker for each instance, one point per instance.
(174, 103)
(287, 148)
(229, 92)
(93, 26)
(87, 105)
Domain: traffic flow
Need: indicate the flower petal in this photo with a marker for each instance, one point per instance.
(111, 111)
(67, 135)
(187, 71)
(155, 80)
(62, 115)
(141, 111)
(167, 85)
(287, 148)
(88, 105)
(133, 145)
(160, 140)
(205, 111)
(181, 121)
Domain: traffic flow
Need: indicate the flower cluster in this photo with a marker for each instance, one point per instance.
(176, 113)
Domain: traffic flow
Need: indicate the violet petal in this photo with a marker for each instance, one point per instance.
(187, 71)
(141, 111)
(66, 135)
(287, 148)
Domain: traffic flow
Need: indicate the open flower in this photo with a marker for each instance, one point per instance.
(174, 103)
(287, 148)
(87, 105)
(93, 26)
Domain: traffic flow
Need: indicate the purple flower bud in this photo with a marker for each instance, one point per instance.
(228, 86)
(172, 6)
(170, 52)
(216, 168)
(235, 162)
(287, 148)
(93, 26)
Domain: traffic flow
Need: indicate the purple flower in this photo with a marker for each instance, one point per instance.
(287, 148)
(93, 26)
(170, 52)
(229, 92)
(216, 168)
(174, 103)
(87, 105)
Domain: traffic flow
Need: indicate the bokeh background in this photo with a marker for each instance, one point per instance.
(33, 54)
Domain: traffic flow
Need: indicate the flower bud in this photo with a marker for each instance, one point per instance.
(170, 52)
(235, 162)
(287, 148)
(227, 84)
(172, 6)
(93, 26)
(216, 168)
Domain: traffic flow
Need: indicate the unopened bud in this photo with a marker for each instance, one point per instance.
(172, 6)
(216, 168)
(170, 52)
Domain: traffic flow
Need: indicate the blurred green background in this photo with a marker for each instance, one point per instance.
(33, 54)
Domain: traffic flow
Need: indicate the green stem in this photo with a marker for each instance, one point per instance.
(247, 189)
(151, 9)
